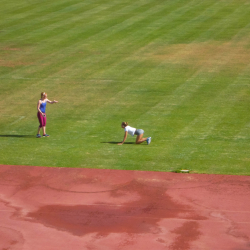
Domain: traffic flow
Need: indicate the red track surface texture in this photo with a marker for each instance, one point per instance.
(60, 208)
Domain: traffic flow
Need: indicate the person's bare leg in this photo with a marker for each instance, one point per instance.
(44, 130)
(139, 139)
(38, 131)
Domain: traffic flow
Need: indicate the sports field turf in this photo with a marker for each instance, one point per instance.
(180, 70)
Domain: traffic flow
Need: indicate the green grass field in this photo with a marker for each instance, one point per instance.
(179, 69)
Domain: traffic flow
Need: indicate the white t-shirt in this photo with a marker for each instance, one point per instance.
(130, 130)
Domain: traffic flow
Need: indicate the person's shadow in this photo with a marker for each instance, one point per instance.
(19, 136)
(114, 142)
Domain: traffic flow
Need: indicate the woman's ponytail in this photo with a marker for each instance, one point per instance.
(125, 124)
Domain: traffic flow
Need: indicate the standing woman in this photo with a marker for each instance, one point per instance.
(133, 131)
(41, 114)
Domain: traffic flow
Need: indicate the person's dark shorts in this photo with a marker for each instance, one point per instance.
(139, 131)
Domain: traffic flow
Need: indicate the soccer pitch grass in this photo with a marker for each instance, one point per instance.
(179, 70)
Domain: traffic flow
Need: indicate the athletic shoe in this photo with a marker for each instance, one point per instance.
(148, 140)
(38, 136)
(45, 135)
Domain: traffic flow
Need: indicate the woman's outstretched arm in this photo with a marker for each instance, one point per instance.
(51, 102)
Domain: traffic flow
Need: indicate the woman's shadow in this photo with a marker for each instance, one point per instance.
(19, 136)
(114, 142)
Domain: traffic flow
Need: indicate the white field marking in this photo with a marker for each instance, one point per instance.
(19, 119)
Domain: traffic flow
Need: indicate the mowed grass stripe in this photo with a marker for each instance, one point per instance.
(49, 42)
(91, 21)
(9, 9)
(44, 9)
(15, 16)
(125, 67)
(233, 23)
(225, 27)
(59, 58)
(56, 21)
(140, 35)
(118, 50)
(63, 24)
(208, 21)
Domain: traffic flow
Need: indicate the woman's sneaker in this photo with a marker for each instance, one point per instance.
(148, 140)
(38, 136)
(45, 135)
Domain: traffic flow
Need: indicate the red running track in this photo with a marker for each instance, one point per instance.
(61, 208)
